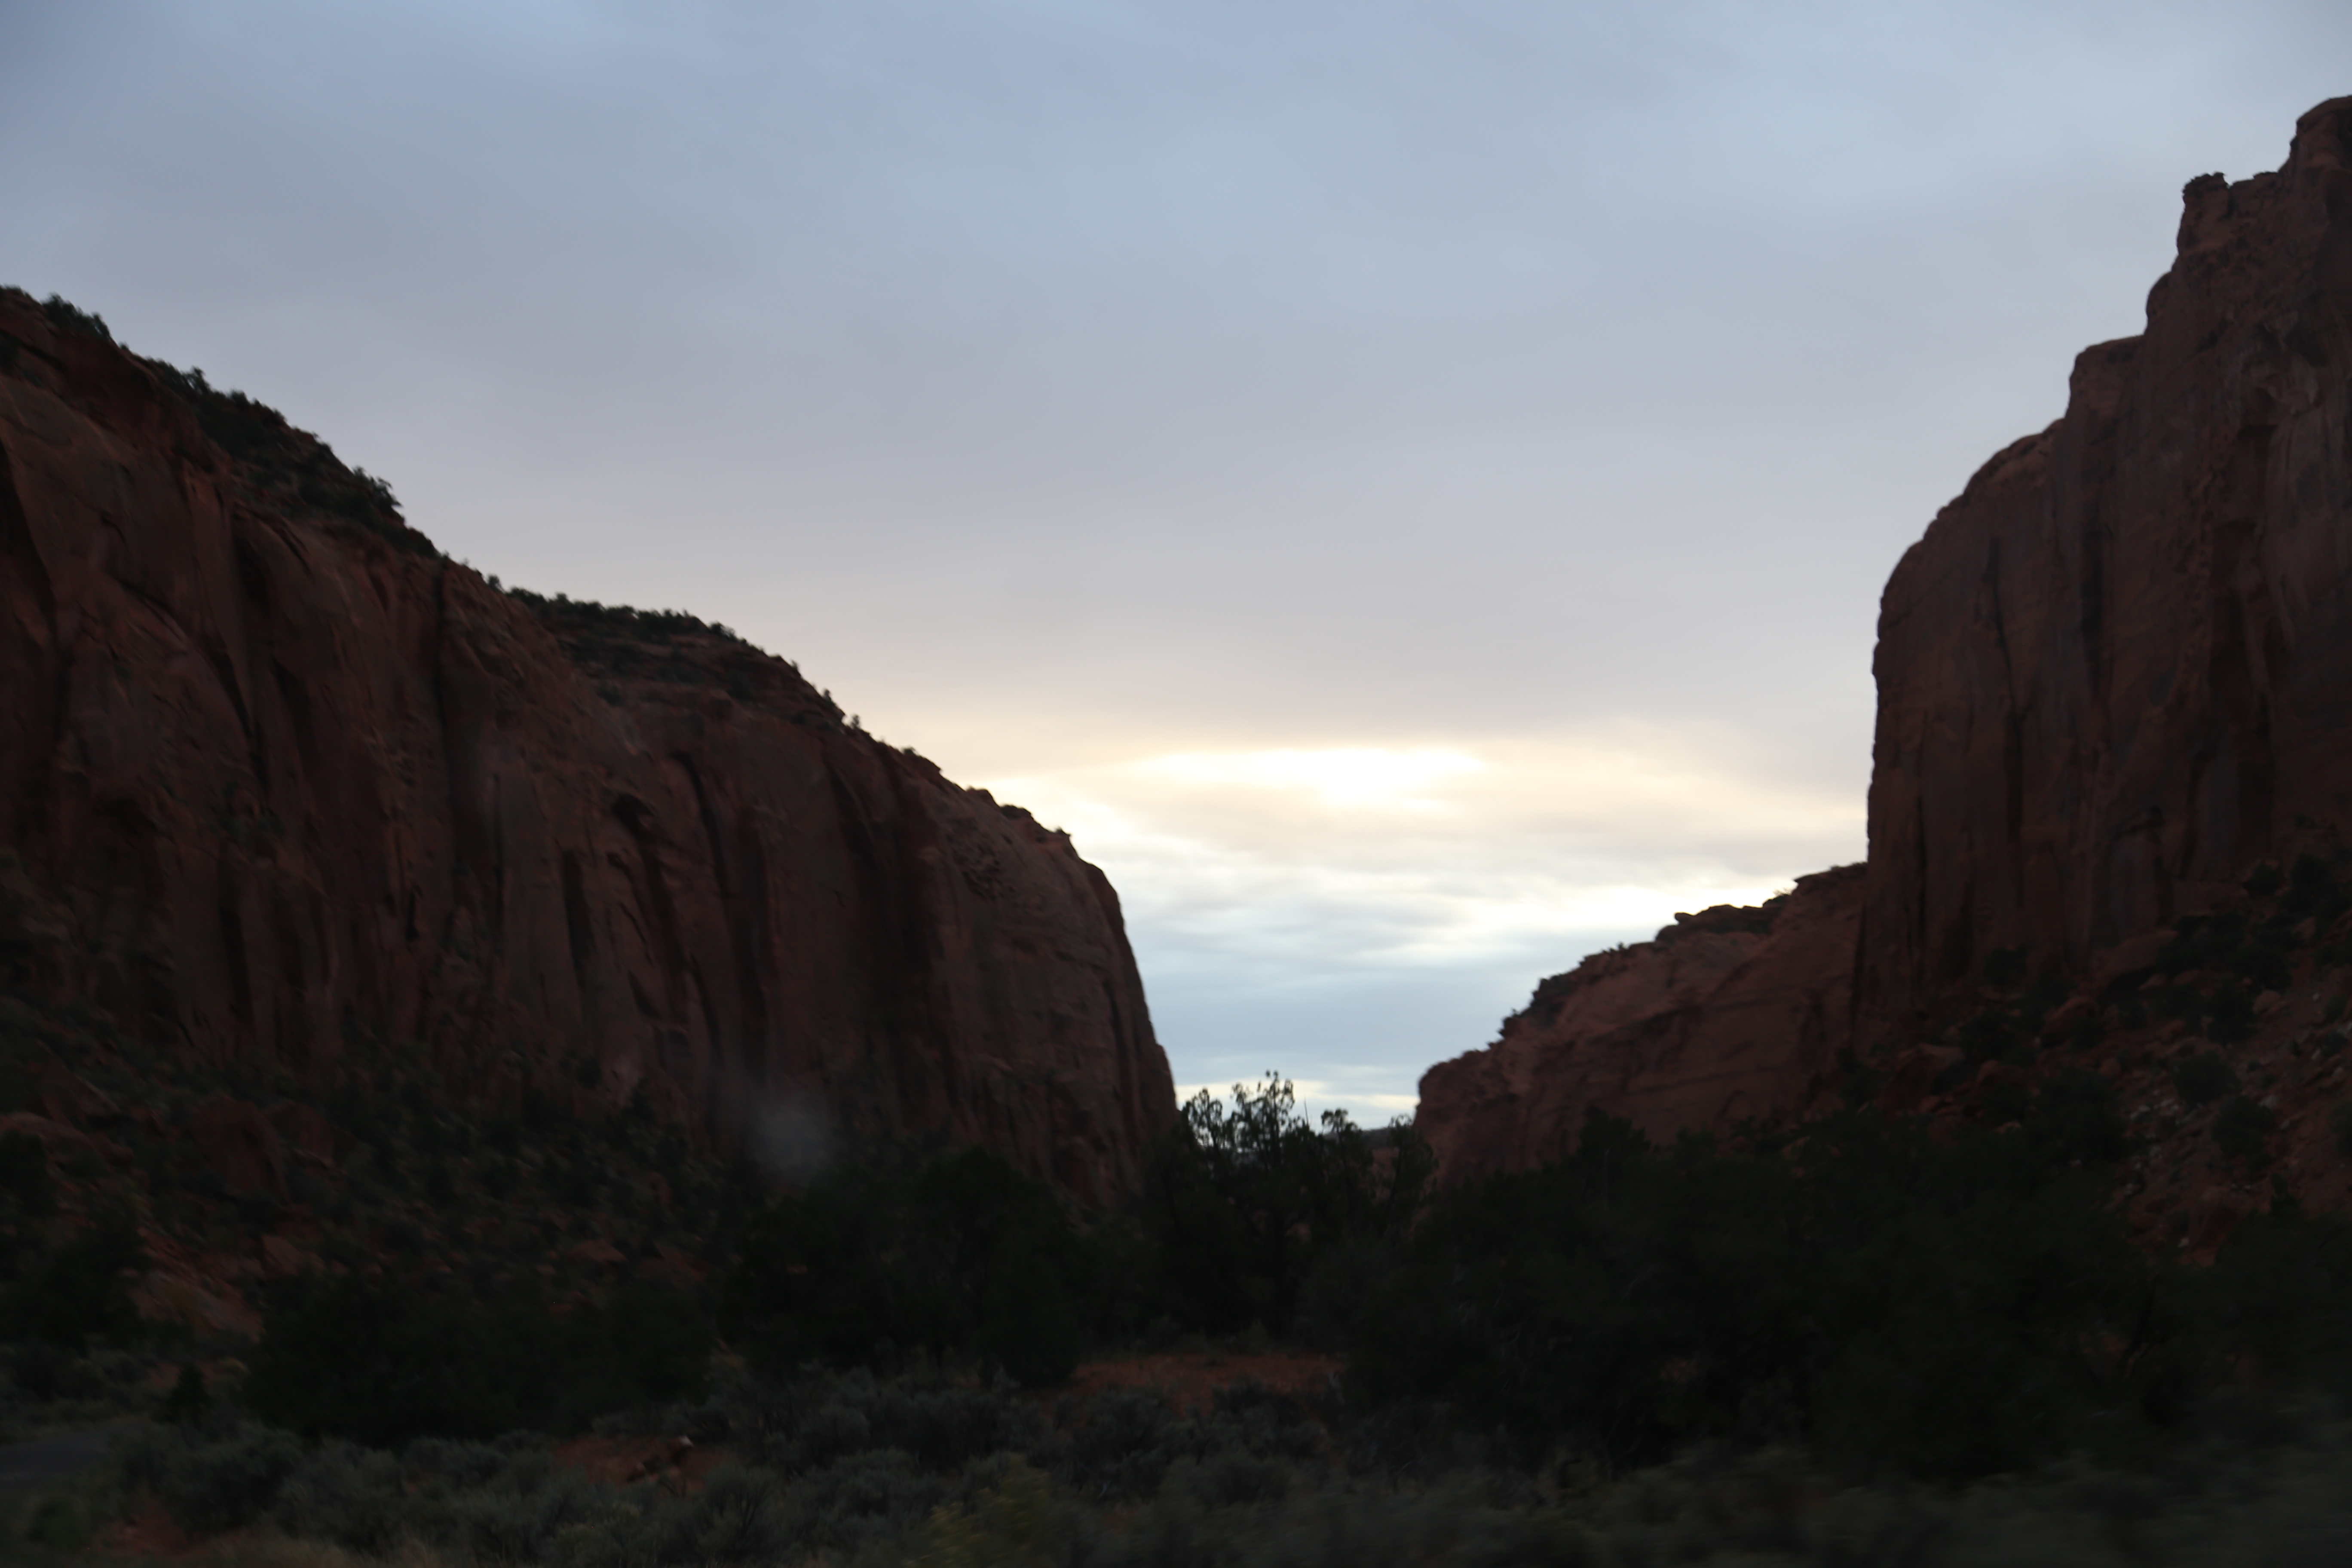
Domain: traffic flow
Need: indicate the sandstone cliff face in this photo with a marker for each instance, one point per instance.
(2116, 671)
(275, 777)
(2119, 667)
(1727, 1014)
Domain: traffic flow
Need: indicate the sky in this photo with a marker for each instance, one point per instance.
(1406, 485)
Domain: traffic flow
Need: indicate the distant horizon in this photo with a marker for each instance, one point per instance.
(1408, 493)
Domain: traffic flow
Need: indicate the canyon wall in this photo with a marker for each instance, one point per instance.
(2118, 667)
(276, 780)
(2114, 672)
(1729, 1015)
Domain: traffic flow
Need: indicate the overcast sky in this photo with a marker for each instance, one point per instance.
(1408, 485)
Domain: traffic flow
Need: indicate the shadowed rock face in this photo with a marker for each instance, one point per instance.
(1729, 1015)
(275, 776)
(2119, 667)
(2115, 672)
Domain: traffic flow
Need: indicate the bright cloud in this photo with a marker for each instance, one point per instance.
(1342, 776)
(1279, 896)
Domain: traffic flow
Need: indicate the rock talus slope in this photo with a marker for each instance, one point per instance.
(275, 776)
(2114, 672)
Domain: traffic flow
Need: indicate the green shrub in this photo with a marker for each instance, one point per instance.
(63, 312)
(2278, 1291)
(2075, 1117)
(1990, 1036)
(355, 1497)
(1242, 1204)
(1907, 1304)
(382, 1363)
(2312, 891)
(1015, 1522)
(2203, 1078)
(25, 1175)
(209, 1480)
(735, 1517)
(190, 1399)
(2230, 1013)
(79, 1292)
(869, 1266)
(2243, 1128)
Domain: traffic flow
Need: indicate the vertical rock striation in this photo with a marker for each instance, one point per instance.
(2119, 666)
(275, 777)
(2115, 672)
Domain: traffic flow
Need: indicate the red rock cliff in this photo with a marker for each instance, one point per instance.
(1729, 1015)
(2119, 666)
(2115, 672)
(275, 776)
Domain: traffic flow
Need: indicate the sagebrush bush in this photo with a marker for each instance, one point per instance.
(1922, 1306)
(351, 1496)
(212, 1479)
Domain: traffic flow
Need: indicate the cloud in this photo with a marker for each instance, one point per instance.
(1278, 874)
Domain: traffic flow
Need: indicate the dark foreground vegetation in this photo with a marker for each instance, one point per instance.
(1866, 1338)
(925, 1468)
(1861, 1344)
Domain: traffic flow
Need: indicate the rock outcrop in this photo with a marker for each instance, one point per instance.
(1729, 1014)
(2115, 672)
(2119, 667)
(275, 777)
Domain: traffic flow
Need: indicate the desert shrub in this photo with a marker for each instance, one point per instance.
(2075, 1117)
(2243, 1128)
(2203, 1078)
(1124, 1442)
(735, 1517)
(2230, 1013)
(1990, 1035)
(1625, 1299)
(190, 1399)
(520, 1516)
(450, 1462)
(2200, 941)
(50, 1519)
(942, 1419)
(79, 1292)
(382, 1363)
(857, 1499)
(1016, 1521)
(1902, 1303)
(870, 1265)
(641, 1345)
(356, 1498)
(294, 467)
(63, 312)
(2278, 1292)
(25, 1175)
(1242, 1205)
(213, 1478)
(2312, 891)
